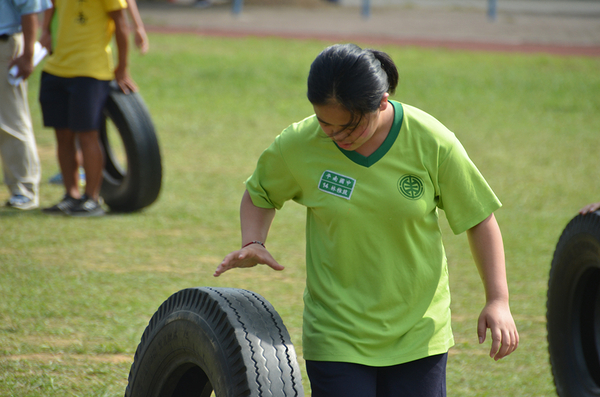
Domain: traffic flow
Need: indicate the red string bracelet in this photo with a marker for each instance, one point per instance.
(255, 242)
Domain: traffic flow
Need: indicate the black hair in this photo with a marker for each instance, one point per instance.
(353, 77)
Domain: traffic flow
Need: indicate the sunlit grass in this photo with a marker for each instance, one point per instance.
(77, 293)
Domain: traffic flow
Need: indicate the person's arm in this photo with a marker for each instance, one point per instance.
(46, 35)
(24, 62)
(255, 223)
(485, 240)
(124, 81)
(589, 208)
(140, 37)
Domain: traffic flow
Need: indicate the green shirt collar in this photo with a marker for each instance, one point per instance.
(367, 161)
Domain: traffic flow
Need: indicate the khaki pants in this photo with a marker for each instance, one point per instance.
(20, 161)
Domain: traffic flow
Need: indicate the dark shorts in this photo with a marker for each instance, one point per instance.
(423, 378)
(74, 103)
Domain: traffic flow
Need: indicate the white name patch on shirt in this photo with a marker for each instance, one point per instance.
(336, 184)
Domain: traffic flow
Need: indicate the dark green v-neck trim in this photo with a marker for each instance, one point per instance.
(367, 161)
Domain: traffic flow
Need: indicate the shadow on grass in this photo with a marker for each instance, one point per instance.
(9, 212)
(6, 212)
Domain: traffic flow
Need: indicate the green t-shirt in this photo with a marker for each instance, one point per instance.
(377, 280)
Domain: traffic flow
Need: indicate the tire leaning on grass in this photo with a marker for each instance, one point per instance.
(228, 340)
(136, 184)
(573, 309)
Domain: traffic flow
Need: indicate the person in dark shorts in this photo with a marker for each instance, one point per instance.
(74, 88)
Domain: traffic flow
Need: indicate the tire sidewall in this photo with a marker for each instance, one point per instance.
(141, 183)
(574, 272)
(228, 340)
(181, 337)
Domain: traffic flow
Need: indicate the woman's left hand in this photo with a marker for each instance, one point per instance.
(505, 338)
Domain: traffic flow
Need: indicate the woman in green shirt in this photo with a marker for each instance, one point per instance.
(372, 174)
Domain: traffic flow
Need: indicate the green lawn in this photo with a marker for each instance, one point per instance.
(78, 293)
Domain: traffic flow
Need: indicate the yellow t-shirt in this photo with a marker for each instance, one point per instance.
(82, 42)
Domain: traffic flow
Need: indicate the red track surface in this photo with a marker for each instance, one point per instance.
(565, 50)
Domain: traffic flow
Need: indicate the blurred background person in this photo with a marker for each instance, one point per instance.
(20, 161)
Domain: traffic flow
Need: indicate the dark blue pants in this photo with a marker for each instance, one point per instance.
(421, 378)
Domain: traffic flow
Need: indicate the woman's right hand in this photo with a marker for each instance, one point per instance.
(250, 256)
(589, 208)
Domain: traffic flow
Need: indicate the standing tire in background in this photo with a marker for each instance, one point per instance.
(573, 309)
(228, 340)
(132, 163)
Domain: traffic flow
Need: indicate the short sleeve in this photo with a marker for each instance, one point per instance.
(114, 5)
(465, 195)
(26, 7)
(272, 183)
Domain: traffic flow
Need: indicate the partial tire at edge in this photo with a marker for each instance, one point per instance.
(573, 309)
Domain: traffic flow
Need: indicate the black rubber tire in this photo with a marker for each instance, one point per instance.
(139, 185)
(228, 340)
(573, 309)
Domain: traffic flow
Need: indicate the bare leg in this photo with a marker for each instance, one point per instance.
(93, 162)
(66, 153)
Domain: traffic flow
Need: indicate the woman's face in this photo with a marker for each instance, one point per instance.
(336, 122)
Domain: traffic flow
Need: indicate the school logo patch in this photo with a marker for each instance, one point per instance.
(411, 187)
(337, 184)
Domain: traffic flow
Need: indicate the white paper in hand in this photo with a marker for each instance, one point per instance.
(39, 53)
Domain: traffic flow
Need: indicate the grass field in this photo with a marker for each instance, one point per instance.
(78, 293)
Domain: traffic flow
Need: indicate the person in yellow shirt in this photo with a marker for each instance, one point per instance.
(140, 38)
(74, 88)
